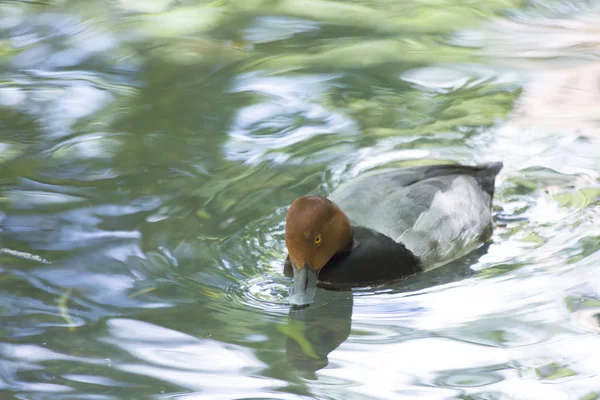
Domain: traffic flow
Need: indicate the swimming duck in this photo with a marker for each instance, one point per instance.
(387, 225)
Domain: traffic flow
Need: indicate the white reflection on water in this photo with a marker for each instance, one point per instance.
(448, 77)
(400, 367)
(271, 28)
(18, 359)
(290, 114)
(198, 364)
(10, 96)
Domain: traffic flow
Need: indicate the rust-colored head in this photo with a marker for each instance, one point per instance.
(316, 229)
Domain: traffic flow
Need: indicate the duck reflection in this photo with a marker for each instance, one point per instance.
(313, 332)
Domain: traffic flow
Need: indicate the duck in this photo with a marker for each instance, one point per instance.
(387, 225)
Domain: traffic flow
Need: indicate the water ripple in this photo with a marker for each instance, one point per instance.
(150, 150)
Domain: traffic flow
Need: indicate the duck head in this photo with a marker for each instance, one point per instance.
(315, 230)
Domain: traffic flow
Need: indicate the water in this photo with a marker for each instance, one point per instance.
(148, 152)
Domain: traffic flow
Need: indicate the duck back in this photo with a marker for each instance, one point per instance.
(438, 212)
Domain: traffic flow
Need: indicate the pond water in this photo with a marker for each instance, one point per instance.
(149, 151)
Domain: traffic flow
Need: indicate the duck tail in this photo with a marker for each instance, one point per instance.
(494, 167)
(486, 177)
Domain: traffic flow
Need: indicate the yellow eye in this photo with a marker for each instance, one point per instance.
(318, 240)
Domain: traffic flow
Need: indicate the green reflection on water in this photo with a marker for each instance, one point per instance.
(148, 151)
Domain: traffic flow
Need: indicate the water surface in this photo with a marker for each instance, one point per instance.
(149, 151)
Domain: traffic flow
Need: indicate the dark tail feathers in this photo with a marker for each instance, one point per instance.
(486, 176)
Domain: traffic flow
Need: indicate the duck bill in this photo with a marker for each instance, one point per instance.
(304, 287)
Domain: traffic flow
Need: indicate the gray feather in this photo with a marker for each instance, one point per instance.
(440, 213)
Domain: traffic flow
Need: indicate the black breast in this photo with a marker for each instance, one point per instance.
(376, 259)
